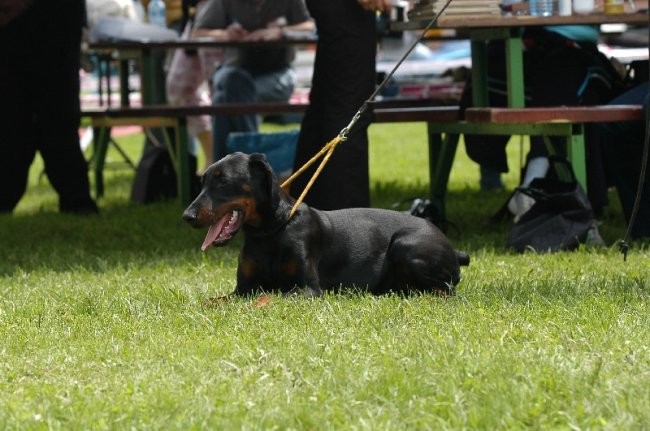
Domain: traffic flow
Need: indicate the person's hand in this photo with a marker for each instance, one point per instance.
(265, 34)
(236, 32)
(376, 5)
(10, 9)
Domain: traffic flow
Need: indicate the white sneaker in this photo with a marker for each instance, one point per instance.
(519, 204)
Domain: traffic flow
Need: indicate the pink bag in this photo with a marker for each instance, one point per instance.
(188, 81)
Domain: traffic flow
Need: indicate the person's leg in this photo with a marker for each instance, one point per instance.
(623, 144)
(275, 87)
(230, 85)
(344, 77)
(569, 75)
(58, 107)
(488, 151)
(18, 148)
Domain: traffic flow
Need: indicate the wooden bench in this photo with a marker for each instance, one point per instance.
(561, 114)
(444, 129)
(175, 118)
(562, 121)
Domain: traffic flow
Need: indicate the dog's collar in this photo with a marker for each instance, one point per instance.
(263, 231)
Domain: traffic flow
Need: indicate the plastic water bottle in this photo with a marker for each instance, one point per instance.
(583, 6)
(542, 7)
(564, 7)
(156, 13)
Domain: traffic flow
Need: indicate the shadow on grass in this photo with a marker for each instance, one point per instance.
(468, 211)
(122, 235)
(127, 234)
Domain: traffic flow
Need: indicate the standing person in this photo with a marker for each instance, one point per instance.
(39, 103)
(623, 143)
(344, 77)
(254, 73)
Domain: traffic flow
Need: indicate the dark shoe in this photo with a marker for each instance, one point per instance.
(84, 206)
(490, 179)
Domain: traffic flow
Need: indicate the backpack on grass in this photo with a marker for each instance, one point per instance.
(561, 216)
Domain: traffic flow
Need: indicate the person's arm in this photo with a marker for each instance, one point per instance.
(10, 9)
(276, 32)
(233, 32)
(213, 22)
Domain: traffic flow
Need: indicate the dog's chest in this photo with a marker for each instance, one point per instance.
(274, 262)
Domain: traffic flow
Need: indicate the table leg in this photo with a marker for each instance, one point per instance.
(442, 150)
(183, 163)
(515, 71)
(101, 137)
(124, 83)
(479, 73)
(576, 154)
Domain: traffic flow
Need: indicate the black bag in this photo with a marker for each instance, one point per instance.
(560, 218)
(425, 209)
(155, 176)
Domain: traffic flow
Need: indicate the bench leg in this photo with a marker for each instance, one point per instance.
(183, 161)
(442, 151)
(577, 155)
(101, 138)
(574, 151)
(178, 149)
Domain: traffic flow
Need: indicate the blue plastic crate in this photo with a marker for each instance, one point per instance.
(279, 147)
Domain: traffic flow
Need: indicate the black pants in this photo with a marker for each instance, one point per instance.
(623, 143)
(39, 102)
(344, 77)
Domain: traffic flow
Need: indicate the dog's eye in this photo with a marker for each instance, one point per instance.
(220, 181)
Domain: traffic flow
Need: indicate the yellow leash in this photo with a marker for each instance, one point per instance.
(329, 148)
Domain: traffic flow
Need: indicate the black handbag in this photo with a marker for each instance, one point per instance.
(560, 218)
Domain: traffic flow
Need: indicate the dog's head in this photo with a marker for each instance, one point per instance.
(238, 190)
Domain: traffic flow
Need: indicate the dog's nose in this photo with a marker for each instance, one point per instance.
(189, 215)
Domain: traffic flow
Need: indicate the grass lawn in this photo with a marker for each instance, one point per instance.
(102, 324)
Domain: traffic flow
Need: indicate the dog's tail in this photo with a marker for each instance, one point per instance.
(462, 258)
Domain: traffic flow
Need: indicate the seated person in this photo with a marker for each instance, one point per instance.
(623, 146)
(186, 84)
(562, 66)
(255, 73)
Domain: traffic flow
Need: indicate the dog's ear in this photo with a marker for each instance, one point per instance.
(261, 169)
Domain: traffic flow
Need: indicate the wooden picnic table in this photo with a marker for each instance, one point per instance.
(143, 51)
(480, 30)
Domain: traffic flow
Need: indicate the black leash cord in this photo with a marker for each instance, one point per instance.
(624, 247)
(389, 76)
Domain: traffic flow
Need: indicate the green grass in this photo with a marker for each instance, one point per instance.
(103, 327)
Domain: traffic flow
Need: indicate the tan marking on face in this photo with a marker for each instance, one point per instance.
(247, 204)
(217, 173)
(247, 188)
(204, 216)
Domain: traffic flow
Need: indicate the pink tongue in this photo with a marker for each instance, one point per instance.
(214, 232)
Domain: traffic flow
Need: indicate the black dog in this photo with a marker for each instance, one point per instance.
(369, 249)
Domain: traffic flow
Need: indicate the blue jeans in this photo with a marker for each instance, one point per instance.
(232, 84)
